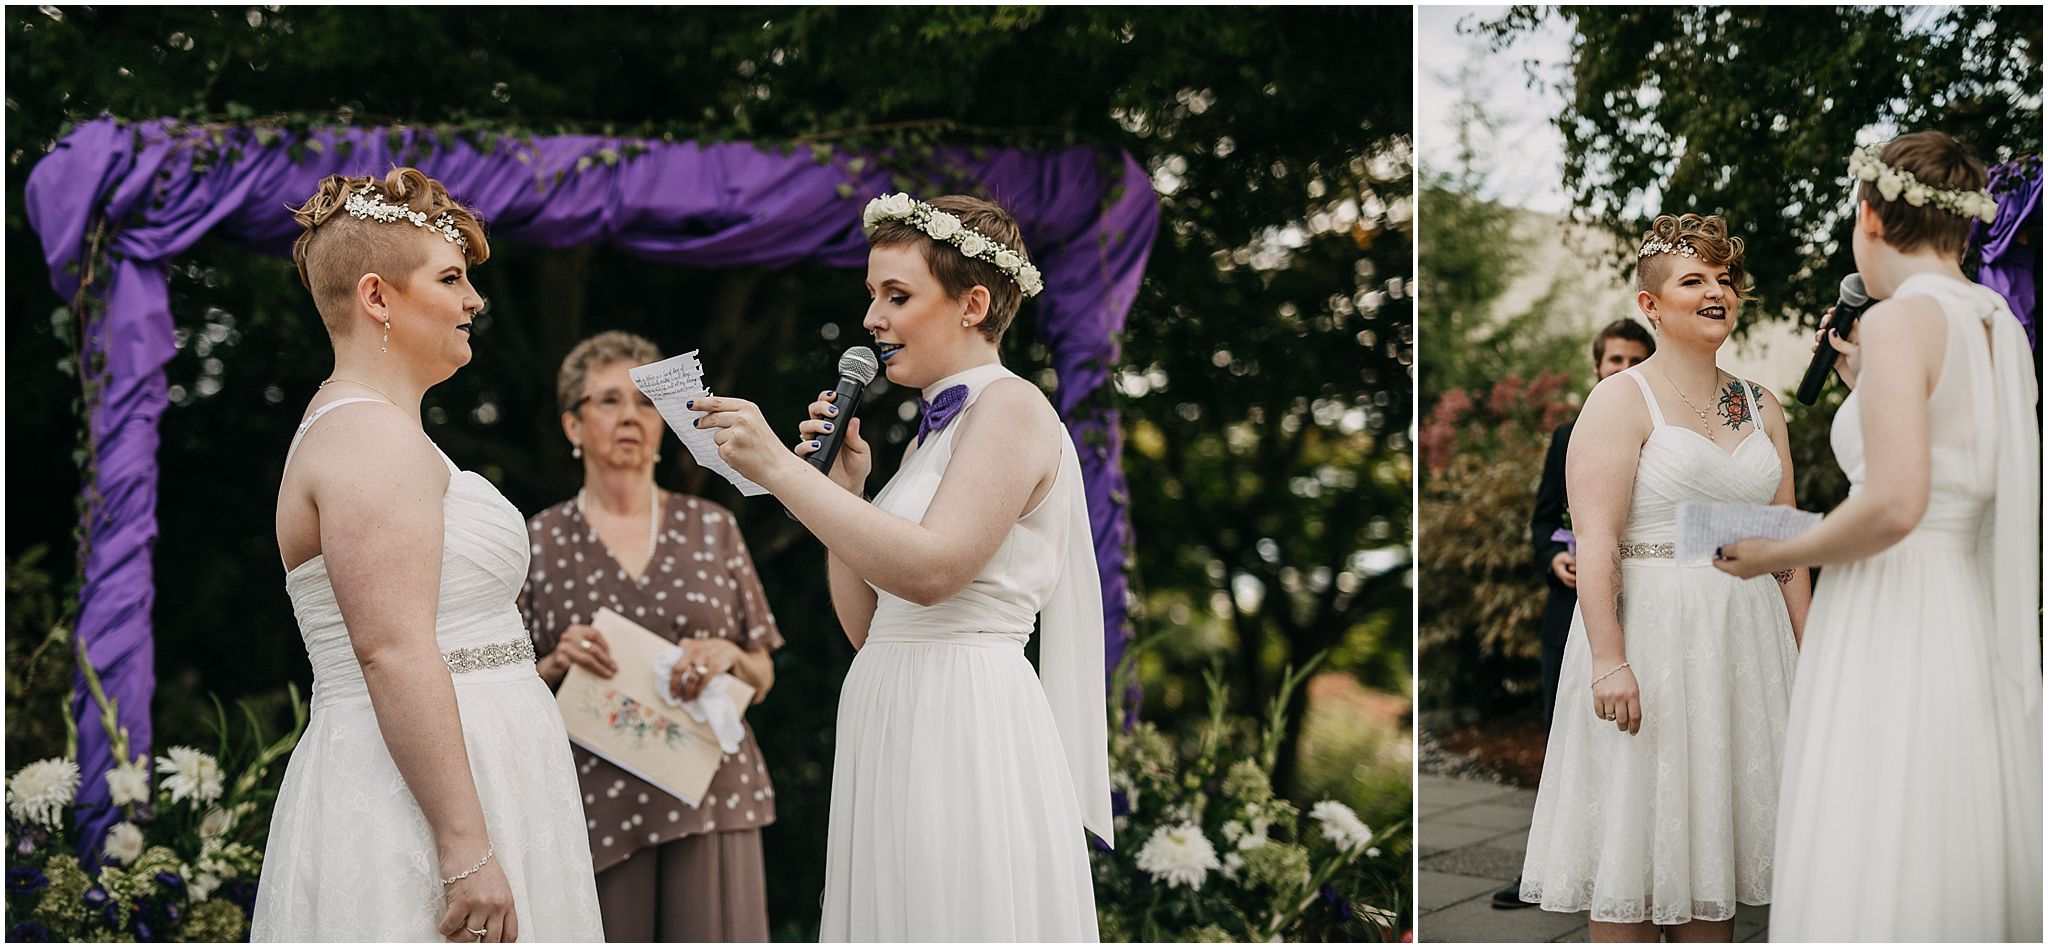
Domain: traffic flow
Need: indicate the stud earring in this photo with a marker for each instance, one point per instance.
(387, 337)
(576, 451)
(963, 324)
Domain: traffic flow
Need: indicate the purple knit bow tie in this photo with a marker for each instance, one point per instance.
(935, 415)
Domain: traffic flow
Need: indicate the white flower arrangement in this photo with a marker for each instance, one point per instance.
(946, 228)
(1893, 183)
(1179, 856)
(365, 204)
(40, 791)
(1341, 825)
(190, 774)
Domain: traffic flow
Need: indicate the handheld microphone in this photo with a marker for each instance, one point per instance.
(1853, 301)
(856, 369)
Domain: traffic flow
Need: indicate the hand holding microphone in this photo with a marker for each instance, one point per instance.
(833, 427)
(1835, 329)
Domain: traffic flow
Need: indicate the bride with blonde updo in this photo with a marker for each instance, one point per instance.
(432, 796)
(1659, 791)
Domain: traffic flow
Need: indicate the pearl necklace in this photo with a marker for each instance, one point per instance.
(653, 522)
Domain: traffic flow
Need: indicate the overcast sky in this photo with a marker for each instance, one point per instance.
(1528, 153)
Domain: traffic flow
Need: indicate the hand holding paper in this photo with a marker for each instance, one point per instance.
(1704, 527)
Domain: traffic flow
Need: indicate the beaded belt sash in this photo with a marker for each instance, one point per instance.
(494, 655)
(1653, 551)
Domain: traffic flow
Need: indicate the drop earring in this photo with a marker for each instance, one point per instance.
(387, 337)
(576, 451)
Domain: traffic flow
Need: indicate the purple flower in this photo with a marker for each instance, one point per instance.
(1119, 803)
(95, 896)
(28, 931)
(142, 932)
(25, 844)
(1336, 901)
(170, 880)
(172, 911)
(24, 880)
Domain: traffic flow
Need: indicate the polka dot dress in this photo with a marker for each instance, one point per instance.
(700, 584)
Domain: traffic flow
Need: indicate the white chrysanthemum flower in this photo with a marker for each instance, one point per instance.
(973, 245)
(216, 824)
(1009, 259)
(1341, 825)
(190, 773)
(1178, 856)
(129, 783)
(39, 792)
(941, 225)
(124, 842)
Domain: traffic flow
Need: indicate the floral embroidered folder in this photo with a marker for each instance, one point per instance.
(624, 720)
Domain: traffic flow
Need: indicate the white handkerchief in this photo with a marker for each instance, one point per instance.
(671, 384)
(1704, 527)
(712, 706)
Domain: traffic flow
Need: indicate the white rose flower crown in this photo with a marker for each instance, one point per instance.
(947, 229)
(1892, 182)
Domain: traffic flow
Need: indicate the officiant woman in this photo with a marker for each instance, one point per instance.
(676, 565)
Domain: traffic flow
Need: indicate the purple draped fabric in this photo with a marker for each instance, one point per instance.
(2012, 243)
(1089, 219)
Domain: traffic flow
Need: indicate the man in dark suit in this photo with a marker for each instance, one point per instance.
(1621, 344)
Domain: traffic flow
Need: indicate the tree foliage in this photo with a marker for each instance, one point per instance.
(1750, 112)
(1266, 381)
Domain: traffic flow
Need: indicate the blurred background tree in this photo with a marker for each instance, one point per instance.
(1750, 112)
(1266, 380)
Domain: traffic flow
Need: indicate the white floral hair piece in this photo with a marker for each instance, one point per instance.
(1891, 182)
(365, 204)
(1657, 245)
(947, 229)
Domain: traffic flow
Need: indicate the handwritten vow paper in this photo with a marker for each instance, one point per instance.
(671, 384)
(1703, 527)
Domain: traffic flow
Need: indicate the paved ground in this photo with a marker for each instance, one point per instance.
(1471, 835)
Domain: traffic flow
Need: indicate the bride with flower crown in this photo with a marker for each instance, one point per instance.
(961, 785)
(1911, 807)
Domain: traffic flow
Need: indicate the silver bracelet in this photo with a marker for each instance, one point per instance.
(1610, 672)
(490, 850)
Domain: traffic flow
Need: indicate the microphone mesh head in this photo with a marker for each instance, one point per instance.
(1853, 292)
(859, 363)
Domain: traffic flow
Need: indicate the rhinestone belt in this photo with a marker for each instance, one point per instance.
(1654, 551)
(494, 655)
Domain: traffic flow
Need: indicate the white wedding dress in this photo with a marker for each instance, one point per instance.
(960, 783)
(1673, 823)
(1911, 808)
(351, 857)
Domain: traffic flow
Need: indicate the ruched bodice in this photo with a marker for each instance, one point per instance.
(1679, 464)
(483, 564)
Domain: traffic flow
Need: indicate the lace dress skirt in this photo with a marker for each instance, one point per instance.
(1676, 822)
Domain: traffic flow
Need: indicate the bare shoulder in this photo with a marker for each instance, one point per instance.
(1614, 410)
(371, 444)
(1017, 400)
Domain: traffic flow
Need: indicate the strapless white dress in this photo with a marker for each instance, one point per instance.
(350, 856)
(1673, 823)
(960, 781)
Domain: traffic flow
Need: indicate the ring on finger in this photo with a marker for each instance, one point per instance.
(585, 644)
